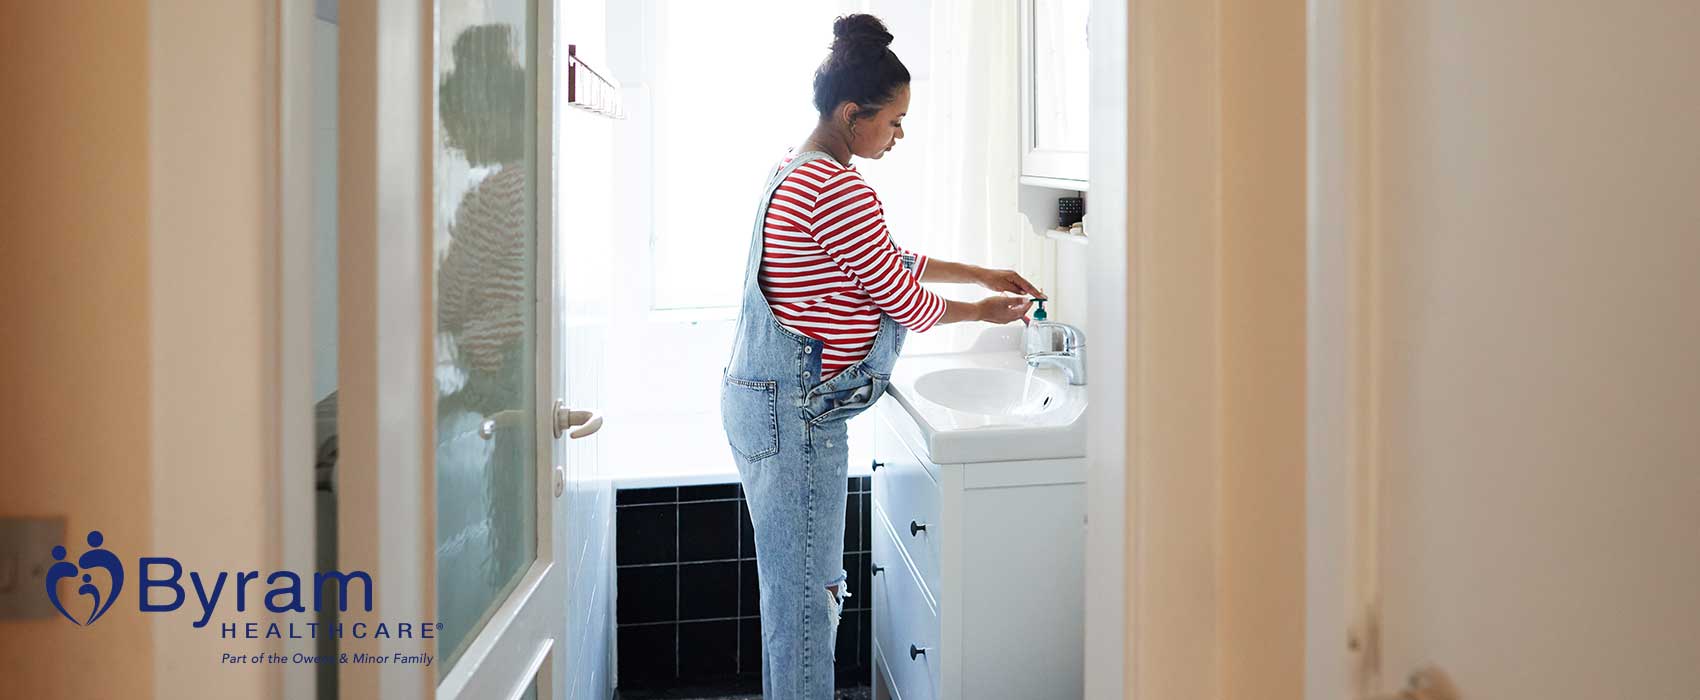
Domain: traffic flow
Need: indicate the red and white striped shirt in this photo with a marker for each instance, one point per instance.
(829, 268)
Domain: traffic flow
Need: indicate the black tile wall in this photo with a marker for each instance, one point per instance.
(712, 492)
(749, 596)
(708, 651)
(647, 654)
(708, 591)
(708, 530)
(647, 593)
(688, 604)
(651, 534)
(627, 497)
(746, 531)
(749, 647)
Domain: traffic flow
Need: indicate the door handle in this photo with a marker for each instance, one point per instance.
(1427, 683)
(566, 418)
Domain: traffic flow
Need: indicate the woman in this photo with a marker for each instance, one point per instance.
(827, 300)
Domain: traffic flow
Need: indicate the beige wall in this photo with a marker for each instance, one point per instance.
(136, 270)
(74, 276)
(214, 261)
(1173, 370)
(1263, 349)
(1216, 338)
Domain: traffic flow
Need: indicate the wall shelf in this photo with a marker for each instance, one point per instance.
(1062, 235)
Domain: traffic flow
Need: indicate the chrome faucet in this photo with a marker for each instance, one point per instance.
(1059, 344)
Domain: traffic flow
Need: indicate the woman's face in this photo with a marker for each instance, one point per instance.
(876, 135)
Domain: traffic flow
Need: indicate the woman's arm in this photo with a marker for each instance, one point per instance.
(937, 270)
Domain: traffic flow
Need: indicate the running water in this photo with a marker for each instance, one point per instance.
(1027, 386)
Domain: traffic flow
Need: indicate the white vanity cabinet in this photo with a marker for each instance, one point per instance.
(979, 591)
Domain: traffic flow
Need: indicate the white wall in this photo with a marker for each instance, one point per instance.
(587, 223)
(1060, 266)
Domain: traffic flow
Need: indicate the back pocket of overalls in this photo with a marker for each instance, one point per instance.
(750, 412)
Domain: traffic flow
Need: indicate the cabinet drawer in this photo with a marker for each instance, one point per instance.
(910, 499)
(903, 618)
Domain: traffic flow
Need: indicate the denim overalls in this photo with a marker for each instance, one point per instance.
(787, 433)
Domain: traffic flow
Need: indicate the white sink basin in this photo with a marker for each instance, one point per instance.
(987, 390)
(978, 405)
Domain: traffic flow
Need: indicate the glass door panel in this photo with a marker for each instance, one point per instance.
(486, 368)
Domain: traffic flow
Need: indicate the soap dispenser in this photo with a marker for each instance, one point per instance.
(1040, 337)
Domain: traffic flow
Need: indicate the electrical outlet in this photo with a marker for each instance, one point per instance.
(26, 552)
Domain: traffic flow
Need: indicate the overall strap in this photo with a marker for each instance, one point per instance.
(752, 265)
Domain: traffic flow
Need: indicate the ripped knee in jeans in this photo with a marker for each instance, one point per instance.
(836, 592)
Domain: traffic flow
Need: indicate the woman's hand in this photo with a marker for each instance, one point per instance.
(1002, 309)
(993, 309)
(1006, 281)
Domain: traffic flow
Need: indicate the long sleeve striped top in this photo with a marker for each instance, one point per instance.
(829, 268)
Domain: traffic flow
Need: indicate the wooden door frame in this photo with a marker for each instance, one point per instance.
(384, 256)
(1342, 467)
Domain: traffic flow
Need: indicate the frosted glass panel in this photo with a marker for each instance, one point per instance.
(1061, 77)
(486, 284)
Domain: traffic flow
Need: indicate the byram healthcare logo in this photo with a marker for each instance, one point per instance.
(162, 579)
(95, 558)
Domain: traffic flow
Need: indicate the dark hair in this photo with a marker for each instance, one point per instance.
(860, 68)
(482, 100)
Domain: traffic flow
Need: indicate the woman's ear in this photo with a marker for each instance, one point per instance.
(846, 114)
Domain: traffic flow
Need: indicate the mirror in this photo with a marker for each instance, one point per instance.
(1056, 63)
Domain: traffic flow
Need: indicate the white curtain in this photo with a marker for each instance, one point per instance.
(972, 150)
(951, 188)
(972, 164)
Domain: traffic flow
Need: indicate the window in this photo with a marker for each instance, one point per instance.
(732, 90)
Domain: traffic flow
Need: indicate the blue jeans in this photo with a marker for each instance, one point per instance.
(787, 432)
(795, 468)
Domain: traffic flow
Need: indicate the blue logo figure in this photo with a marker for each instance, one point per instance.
(95, 558)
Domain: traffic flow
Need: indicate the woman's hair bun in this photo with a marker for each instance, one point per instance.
(861, 68)
(859, 30)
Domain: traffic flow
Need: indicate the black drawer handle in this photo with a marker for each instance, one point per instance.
(876, 465)
(915, 651)
(876, 568)
(915, 528)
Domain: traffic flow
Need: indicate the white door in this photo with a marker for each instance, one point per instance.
(453, 355)
(1505, 338)
(505, 554)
